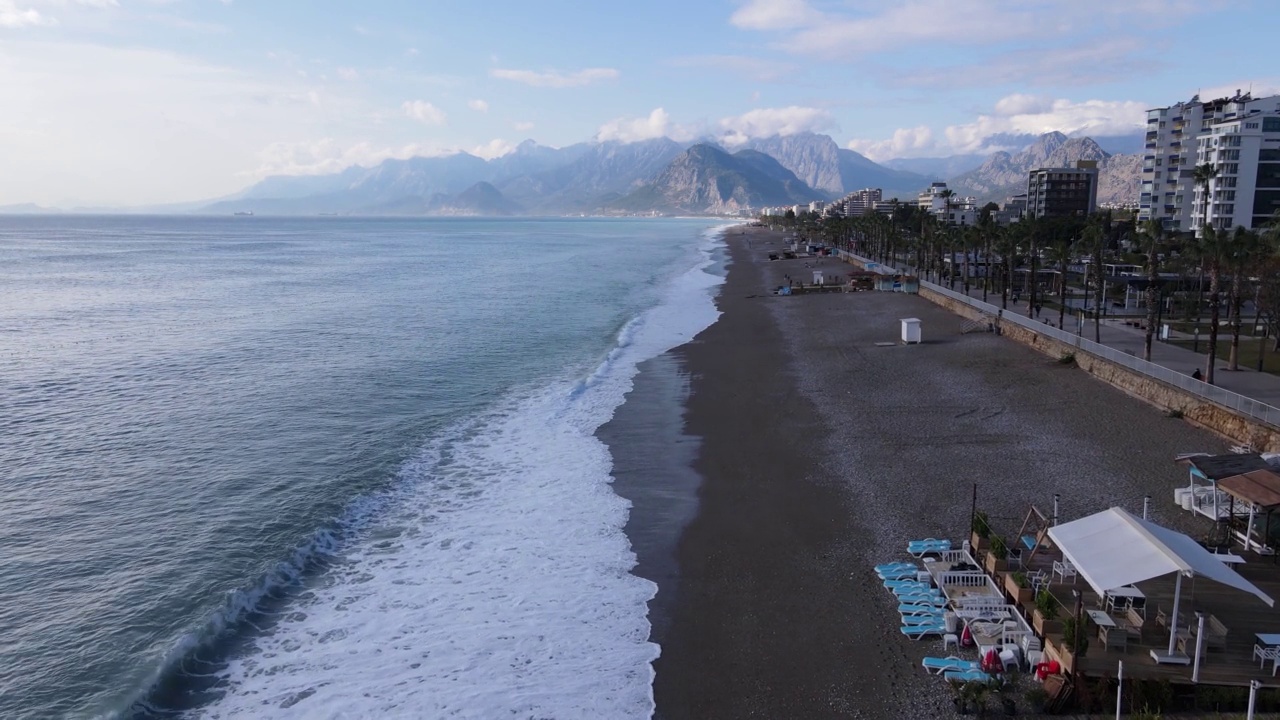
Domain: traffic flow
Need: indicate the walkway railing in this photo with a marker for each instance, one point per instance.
(1234, 401)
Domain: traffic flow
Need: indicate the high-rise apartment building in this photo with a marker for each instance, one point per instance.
(1174, 148)
(1245, 151)
(1063, 192)
(951, 209)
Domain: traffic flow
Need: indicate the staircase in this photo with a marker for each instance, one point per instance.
(984, 323)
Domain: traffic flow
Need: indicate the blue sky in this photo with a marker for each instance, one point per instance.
(117, 102)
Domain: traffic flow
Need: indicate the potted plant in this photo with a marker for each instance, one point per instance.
(1074, 638)
(997, 555)
(981, 530)
(1019, 587)
(1044, 618)
(1037, 699)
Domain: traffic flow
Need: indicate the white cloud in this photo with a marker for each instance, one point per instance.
(767, 122)
(12, 17)
(773, 14)
(348, 74)
(522, 125)
(656, 125)
(424, 112)
(1019, 104)
(1261, 87)
(906, 142)
(555, 79)
(478, 105)
(1014, 115)
(868, 28)
(496, 147)
(324, 156)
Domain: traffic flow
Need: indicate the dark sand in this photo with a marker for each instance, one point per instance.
(822, 454)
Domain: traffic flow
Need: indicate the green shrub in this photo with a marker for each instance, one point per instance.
(1021, 578)
(999, 548)
(981, 525)
(1047, 604)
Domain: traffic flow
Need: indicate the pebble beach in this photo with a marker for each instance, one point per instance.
(821, 453)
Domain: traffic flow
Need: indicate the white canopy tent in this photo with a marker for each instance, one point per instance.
(1112, 549)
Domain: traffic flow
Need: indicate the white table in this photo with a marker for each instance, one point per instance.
(1128, 594)
(1229, 558)
(1101, 619)
(1268, 639)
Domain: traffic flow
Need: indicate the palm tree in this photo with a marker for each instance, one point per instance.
(1093, 239)
(1248, 251)
(1060, 255)
(1213, 250)
(1203, 175)
(1153, 231)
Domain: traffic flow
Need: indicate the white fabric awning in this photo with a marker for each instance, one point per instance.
(1112, 549)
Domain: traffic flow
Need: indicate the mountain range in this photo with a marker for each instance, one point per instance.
(1003, 174)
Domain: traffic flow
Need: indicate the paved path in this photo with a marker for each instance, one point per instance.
(1263, 387)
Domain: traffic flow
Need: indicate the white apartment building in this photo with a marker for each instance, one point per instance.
(1172, 152)
(953, 210)
(1245, 150)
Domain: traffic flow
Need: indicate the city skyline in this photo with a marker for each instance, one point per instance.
(113, 102)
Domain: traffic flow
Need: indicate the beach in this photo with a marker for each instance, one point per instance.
(819, 453)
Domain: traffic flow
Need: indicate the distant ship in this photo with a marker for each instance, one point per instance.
(243, 212)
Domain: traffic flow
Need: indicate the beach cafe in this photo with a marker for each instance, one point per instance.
(1240, 491)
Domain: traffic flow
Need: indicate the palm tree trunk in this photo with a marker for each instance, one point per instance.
(1214, 317)
(1152, 278)
(1235, 303)
(1062, 295)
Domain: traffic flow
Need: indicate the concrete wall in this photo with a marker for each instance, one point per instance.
(1225, 422)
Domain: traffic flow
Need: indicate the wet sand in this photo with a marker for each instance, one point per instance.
(821, 454)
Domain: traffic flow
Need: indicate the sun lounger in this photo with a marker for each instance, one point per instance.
(920, 548)
(916, 590)
(929, 619)
(937, 666)
(966, 676)
(922, 599)
(918, 631)
(898, 573)
(891, 584)
(920, 609)
(896, 566)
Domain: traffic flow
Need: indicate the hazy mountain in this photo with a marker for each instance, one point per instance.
(858, 171)
(1004, 174)
(27, 209)
(707, 180)
(814, 159)
(937, 167)
(599, 173)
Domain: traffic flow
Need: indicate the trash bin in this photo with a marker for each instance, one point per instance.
(911, 331)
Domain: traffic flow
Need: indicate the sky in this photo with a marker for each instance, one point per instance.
(141, 102)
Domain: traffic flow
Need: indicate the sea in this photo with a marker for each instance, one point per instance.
(329, 467)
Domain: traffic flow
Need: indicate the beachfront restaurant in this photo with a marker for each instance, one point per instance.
(1161, 603)
(1240, 492)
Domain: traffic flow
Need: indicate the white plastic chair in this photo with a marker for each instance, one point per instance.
(1064, 569)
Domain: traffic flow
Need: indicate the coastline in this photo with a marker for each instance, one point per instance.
(819, 454)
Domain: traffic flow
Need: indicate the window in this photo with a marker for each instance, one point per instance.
(1271, 124)
(1251, 126)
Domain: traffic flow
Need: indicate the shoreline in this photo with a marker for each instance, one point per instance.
(819, 454)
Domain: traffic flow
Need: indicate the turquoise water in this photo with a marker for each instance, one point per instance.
(326, 467)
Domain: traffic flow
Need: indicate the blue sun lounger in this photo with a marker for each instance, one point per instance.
(966, 676)
(919, 596)
(898, 573)
(916, 590)
(916, 632)
(920, 609)
(906, 583)
(918, 620)
(920, 548)
(896, 566)
(937, 666)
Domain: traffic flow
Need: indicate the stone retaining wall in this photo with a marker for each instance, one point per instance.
(1226, 422)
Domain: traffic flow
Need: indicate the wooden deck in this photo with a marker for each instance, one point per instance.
(1241, 613)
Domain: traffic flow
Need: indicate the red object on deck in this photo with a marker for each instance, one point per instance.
(966, 638)
(1045, 669)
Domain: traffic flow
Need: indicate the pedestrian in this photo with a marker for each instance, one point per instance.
(1196, 375)
(1039, 307)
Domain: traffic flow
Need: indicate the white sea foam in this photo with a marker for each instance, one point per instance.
(499, 584)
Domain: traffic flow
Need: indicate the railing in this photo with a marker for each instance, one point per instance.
(1245, 406)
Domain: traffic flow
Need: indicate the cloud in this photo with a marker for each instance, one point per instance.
(1260, 87)
(1095, 61)
(324, 156)
(424, 112)
(496, 147)
(522, 125)
(657, 124)
(767, 122)
(868, 28)
(906, 142)
(478, 105)
(348, 74)
(1014, 115)
(773, 14)
(14, 18)
(555, 79)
